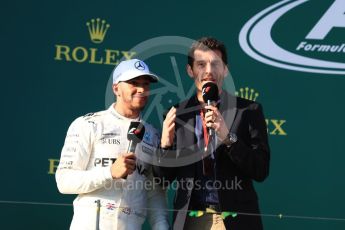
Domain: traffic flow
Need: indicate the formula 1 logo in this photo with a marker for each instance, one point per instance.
(134, 131)
(291, 35)
(205, 90)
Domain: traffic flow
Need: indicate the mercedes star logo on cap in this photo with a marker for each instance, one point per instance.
(139, 65)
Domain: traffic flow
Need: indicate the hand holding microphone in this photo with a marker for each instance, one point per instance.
(210, 96)
(214, 119)
(125, 164)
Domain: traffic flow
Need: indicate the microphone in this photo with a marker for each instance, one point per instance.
(210, 95)
(135, 134)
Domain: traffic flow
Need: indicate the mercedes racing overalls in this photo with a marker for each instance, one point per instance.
(92, 145)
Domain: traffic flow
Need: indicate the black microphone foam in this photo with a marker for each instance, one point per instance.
(210, 92)
(135, 135)
(135, 132)
(210, 96)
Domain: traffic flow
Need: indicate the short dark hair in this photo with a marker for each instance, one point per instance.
(204, 44)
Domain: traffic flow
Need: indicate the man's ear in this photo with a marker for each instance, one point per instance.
(226, 70)
(116, 89)
(190, 71)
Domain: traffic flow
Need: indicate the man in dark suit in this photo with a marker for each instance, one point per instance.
(214, 173)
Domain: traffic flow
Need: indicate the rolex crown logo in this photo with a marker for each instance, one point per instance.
(97, 30)
(247, 93)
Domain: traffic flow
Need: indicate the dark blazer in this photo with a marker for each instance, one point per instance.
(245, 161)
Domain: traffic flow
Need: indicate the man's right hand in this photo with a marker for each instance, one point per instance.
(168, 131)
(124, 165)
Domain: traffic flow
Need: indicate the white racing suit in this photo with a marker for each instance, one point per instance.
(92, 145)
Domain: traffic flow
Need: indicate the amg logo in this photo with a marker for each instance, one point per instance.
(115, 133)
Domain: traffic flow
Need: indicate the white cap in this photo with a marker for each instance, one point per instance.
(130, 69)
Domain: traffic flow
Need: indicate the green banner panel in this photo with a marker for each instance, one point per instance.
(288, 55)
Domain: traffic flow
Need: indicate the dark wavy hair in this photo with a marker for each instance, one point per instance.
(206, 43)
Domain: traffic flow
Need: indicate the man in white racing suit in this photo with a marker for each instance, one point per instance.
(115, 188)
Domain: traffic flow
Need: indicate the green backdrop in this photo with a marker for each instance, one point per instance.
(53, 72)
